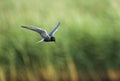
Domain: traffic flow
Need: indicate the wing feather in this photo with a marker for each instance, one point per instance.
(41, 31)
(55, 29)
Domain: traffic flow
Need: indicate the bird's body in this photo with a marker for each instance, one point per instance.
(45, 36)
(49, 39)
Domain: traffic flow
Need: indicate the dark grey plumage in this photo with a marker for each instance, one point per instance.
(46, 37)
(54, 30)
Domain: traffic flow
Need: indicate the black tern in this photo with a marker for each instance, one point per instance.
(45, 36)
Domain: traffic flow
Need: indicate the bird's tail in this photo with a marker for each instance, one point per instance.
(40, 41)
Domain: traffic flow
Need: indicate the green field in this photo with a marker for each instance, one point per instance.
(87, 44)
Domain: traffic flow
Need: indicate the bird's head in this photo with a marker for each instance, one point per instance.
(53, 39)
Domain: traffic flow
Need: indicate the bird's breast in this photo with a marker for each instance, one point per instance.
(47, 39)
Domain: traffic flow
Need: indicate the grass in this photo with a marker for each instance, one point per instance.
(87, 43)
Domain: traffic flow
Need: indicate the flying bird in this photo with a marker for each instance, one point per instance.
(45, 36)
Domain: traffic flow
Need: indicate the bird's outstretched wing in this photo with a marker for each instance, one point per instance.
(42, 32)
(55, 29)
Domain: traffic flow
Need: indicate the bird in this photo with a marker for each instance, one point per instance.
(45, 36)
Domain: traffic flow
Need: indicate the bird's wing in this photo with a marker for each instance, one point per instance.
(42, 32)
(54, 30)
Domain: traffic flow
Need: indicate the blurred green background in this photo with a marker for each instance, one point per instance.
(87, 44)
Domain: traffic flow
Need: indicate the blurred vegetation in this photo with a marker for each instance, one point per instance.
(87, 44)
